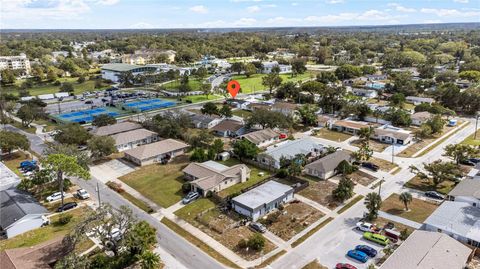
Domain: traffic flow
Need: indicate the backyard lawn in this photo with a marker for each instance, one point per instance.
(190, 211)
(332, 135)
(13, 161)
(419, 210)
(422, 185)
(242, 113)
(255, 177)
(161, 184)
(48, 87)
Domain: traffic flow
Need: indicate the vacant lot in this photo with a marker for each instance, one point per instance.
(332, 135)
(362, 178)
(160, 183)
(374, 145)
(422, 185)
(419, 210)
(256, 175)
(383, 164)
(294, 218)
(419, 145)
(314, 265)
(321, 192)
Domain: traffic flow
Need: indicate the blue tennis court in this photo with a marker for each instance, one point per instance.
(146, 105)
(87, 115)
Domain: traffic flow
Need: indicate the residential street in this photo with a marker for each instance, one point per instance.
(36, 143)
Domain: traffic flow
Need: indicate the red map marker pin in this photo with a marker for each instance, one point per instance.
(233, 87)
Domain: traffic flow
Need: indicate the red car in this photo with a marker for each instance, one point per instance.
(283, 136)
(344, 266)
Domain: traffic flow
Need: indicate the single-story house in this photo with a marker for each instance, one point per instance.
(116, 128)
(424, 249)
(420, 118)
(419, 100)
(20, 212)
(376, 77)
(229, 128)
(262, 138)
(287, 109)
(162, 151)
(41, 256)
(324, 120)
(392, 135)
(459, 220)
(238, 103)
(348, 126)
(134, 138)
(8, 179)
(268, 66)
(263, 199)
(214, 177)
(468, 191)
(365, 93)
(288, 150)
(325, 167)
(201, 121)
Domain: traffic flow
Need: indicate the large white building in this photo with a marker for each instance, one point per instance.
(113, 71)
(20, 62)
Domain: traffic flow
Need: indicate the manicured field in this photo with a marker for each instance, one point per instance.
(173, 85)
(254, 82)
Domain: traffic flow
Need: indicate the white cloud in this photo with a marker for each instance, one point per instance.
(443, 12)
(401, 8)
(461, 1)
(335, 1)
(108, 2)
(295, 4)
(432, 21)
(270, 5)
(354, 18)
(238, 1)
(253, 9)
(245, 22)
(38, 11)
(199, 9)
(141, 25)
(283, 21)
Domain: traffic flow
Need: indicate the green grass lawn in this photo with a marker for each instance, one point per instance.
(254, 178)
(242, 113)
(48, 87)
(421, 185)
(254, 82)
(202, 97)
(30, 129)
(45, 233)
(193, 83)
(332, 135)
(161, 184)
(470, 141)
(419, 210)
(190, 211)
(13, 161)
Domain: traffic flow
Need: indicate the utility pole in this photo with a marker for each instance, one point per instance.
(380, 185)
(98, 193)
(476, 127)
(393, 152)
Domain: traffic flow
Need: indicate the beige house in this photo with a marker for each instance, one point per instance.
(392, 135)
(262, 138)
(420, 118)
(134, 138)
(211, 176)
(348, 126)
(162, 152)
(116, 128)
(324, 168)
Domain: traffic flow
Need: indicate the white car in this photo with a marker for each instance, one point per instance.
(54, 197)
(365, 226)
(83, 194)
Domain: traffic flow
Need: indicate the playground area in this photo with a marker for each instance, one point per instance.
(86, 116)
(147, 105)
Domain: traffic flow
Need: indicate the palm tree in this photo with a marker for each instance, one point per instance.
(365, 134)
(149, 260)
(373, 202)
(405, 198)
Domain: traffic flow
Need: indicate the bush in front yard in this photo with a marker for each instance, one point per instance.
(186, 187)
(115, 186)
(65, 218)
(256, 242)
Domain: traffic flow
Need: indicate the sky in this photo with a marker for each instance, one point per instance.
(136, 14)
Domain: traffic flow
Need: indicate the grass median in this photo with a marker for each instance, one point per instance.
(350, 204)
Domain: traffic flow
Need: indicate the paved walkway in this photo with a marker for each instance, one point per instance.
(277, 240)
(401, 220)
(313, 204)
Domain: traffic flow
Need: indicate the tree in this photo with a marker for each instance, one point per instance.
(237, 67)
(345, 168)
(373, 202)
(81, 79)
(52, 75)
(28, 113)
(67, 87)
(206, 89)
(436, 123)
(288, 89)
(348, 71)
(198, 155)
(201, 73)
(140, 237)
(149, 260)
(268, 119)
(83, 158)
(447, 76)
(364, 134)
(368, 70)
(364, 153)
(397, 100)
(256, 242)
(210, 108)
(71, 133)
(344, 189)
(245, 149)
(103, 120)
(250, 69)
(217, 145)
(271, 81)
(64, 165)
(225, 111)
(295, 165)
(307, 113)
(326, 77)
(313, 87)
(101, 146)
(438, 172)
(460, 152)
(11, 140)
(169, 125)
(405, 198)
(423, 132)
(8, 76)
(126, 79)
(398, 117)
(472, 75)
(298, 67)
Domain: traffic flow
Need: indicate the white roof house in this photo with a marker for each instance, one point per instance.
(460, 220)
(8, 178)
(428, 250)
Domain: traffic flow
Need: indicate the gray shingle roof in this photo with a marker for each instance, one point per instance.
(116, 128)
(467, 187)
(16, 204)
(258, 137)
(132, 136)
(152, 150)
(329, 162)
(291, 148)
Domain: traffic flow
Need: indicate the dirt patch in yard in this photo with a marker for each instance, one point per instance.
(294, 218)
(362, 178)
(321, 192)
(383, 164)
(331, 135)
(374, 145)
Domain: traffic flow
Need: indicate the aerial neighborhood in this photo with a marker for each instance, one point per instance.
(343, 147)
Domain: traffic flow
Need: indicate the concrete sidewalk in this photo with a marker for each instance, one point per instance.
(313, 204)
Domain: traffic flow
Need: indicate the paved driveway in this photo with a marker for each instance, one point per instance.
(111, 169)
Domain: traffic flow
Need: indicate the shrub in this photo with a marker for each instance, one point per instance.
(65, 218)
(186, 187)
(242, 243)
(282, 173)
(57, 83)
(115, 186)
(404, 234)
(256, 242)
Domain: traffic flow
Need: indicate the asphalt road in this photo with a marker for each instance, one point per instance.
(36, 143)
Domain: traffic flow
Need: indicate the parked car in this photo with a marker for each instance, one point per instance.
(54, 197)
(344, 266)
(365, 226)
(370, 166)
(89, 102)
(392, 234)
(191, 196)
(467, 162)
(371, 252)
(357, 255)
(377, 238)
(28, 163)
(82, 194)
(258, 227)
(67, 206)
(45, 221)
(474, 160)
(434, 195)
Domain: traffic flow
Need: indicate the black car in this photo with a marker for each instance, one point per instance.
(67, 206)
(467, 162)
(474, 160)
(367, 250)
(371, 166)
(434, 195)
(258, 227)
(88, 102)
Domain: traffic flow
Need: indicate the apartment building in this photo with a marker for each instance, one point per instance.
(20, 62)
